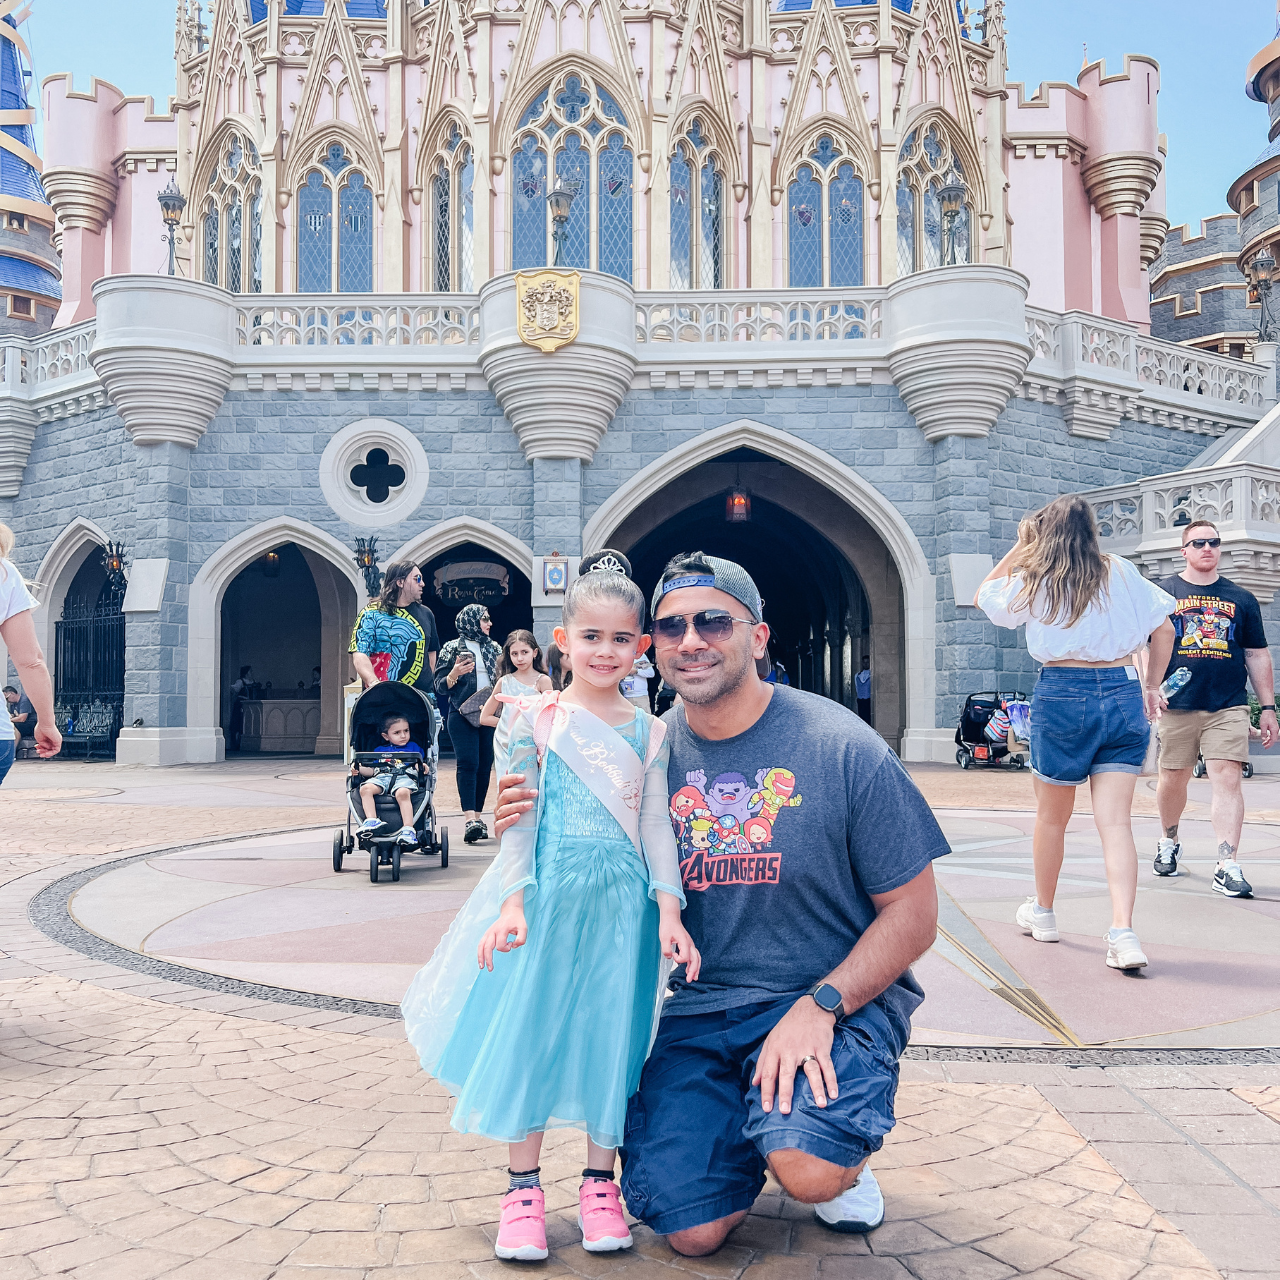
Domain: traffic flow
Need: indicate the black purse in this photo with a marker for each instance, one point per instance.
(474, 705)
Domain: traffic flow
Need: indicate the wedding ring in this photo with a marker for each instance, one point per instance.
(809, 1057)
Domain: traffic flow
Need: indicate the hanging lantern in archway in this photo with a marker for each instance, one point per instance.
(737, 507)
(271, 565)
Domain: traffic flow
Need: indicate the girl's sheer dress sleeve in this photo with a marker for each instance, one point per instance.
(657, 836)
(516, 855)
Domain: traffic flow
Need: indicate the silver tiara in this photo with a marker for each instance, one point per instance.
(608, 564)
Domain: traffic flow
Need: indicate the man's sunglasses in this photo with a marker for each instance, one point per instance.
(715, 626)
(1201, 543)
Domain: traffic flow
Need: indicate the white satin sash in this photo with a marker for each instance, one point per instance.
(596, 752)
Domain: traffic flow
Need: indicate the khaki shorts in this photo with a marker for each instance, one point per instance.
(1216, 735)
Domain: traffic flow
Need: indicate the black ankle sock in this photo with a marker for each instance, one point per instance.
(605, 1175)
(524, 1181)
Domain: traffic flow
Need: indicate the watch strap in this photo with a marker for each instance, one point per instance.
(1271, 706)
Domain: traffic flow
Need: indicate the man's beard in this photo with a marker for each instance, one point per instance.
(728, 678)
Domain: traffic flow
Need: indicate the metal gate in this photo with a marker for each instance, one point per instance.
(89, 669)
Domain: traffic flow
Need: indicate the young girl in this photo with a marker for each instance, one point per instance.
(520, 671)
(569, 925)
(1087, 615)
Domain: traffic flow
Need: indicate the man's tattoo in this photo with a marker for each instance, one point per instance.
(1171, 833)
(1226, 851)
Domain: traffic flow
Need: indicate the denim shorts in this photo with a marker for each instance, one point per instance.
(697, 1135)
(1087, 720)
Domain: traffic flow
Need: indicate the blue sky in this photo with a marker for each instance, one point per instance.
(1214, 131)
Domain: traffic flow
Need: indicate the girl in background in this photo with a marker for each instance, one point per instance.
(1087, 615)
(558, 668)
(538, 1008)
(520, 671)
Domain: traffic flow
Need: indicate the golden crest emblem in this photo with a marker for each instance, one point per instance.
(547, 308)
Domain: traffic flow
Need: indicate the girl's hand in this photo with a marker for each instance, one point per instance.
(497, 937)
(677, 945)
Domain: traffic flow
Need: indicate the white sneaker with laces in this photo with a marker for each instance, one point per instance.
(856, 1211)
(1123, 949)
(1038, 921)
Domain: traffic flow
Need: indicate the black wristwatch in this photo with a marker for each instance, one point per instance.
(827, 998)
(1271, 706)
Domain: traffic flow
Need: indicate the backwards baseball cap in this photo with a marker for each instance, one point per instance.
(724, 576)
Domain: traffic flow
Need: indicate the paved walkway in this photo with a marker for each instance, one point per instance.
(169, 1107)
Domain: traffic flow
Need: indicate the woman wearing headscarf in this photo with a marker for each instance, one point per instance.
(467, 666)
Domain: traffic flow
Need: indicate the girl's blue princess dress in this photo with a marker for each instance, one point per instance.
(557, 1033)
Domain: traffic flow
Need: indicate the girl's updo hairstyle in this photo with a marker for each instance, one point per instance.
(604, 577)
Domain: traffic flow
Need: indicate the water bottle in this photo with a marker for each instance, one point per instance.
(1175, 683)
(71, 727)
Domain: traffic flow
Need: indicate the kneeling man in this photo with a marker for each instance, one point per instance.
(806, 858)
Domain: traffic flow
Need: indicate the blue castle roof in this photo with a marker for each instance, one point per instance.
(17, 177)
(306, 8)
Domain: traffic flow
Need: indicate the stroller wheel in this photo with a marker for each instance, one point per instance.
(964, 759)
(373, 864)
(1198, 771)
(444, 847)
(339, 848)
(1247, 769)
(395, 863)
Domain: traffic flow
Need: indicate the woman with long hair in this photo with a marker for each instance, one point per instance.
(1087, 614)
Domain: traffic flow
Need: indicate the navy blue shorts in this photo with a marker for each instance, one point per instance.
(1087, 720)
(697, 1136)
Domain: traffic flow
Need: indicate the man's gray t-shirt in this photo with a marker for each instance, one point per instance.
(785, 831)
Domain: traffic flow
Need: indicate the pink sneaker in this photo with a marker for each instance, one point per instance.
(600, 1217)
(522, 1228)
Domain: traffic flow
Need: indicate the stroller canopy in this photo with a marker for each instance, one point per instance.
(391, 698)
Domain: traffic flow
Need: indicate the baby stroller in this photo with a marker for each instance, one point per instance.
(973, 743)
(369, 748)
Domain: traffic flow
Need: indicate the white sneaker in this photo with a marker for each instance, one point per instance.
(1123, 949)
(1038, 921)
(856, 1211)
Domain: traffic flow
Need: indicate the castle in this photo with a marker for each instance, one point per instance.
(820, 289)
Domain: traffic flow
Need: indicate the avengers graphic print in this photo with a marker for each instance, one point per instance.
(725, 827)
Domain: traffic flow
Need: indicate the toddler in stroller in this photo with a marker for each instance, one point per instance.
(394, 776)
(391, 786)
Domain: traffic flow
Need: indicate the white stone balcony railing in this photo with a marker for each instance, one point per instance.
(1144, 521)
(1102, 371)
(306, 320)
(741, 315)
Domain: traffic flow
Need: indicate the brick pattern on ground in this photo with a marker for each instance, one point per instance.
(140, 1139)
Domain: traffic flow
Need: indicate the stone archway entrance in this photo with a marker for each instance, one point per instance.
(831, 588)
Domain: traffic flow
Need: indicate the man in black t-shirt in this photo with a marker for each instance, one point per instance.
(427, 621)
(1220, 640)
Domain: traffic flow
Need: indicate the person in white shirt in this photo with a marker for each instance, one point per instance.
(1086, 615)
(862, 688)
(18, 631)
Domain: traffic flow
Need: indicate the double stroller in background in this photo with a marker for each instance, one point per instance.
(982, 734)
(368, 747)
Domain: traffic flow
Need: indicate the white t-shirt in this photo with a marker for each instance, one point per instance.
(14, 596)
(484, 677)
(1112, 627)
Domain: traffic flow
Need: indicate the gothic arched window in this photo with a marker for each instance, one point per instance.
(452, 203)
(581, 127)
(234, 194)
(825, 220)
(935, 205)
(697, 213)
(335, 255)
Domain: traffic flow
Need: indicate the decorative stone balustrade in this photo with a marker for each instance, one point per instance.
(1144, 521)
(1102, 371)
(308, 320)
(813, 315)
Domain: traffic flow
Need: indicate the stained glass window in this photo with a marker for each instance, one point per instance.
(335, 159)
(529, 220)
(696, 135)
(931, 240)
(573, 170)
(615, 208)
(255, 241)
(355, 237)
(235, 246)
(467, 221)
(681, 223)
(535, 110)
(804, 207)
(844, 204)
(315, 235)
(959, 239)
(712, 205)
(440, 223)
(825, 152)
(906, 228)
(571, 100)
(211, 246)
(610, 108)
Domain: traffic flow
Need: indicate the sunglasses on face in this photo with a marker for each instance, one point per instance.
(1201, 543)
(715, 626)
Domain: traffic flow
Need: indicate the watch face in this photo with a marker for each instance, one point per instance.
(828, 998)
